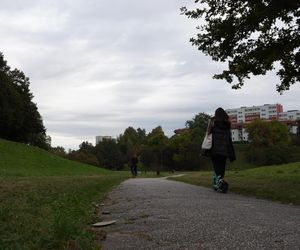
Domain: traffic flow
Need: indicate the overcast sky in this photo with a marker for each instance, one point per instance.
(97, 67)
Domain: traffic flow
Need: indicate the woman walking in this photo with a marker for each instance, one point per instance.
(222, 148)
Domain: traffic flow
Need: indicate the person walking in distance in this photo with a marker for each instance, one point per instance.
(133, 165)
(222, 148)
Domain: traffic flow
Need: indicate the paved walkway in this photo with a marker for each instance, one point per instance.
(164, 214)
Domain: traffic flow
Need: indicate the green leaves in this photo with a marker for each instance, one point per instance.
(19, 117)
(251, 35)
(266, 134)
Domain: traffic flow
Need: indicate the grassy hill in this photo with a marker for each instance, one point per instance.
(22, 160)
(47, 202)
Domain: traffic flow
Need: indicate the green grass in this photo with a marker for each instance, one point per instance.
(47, 202)
(279, 183)
(21, 160)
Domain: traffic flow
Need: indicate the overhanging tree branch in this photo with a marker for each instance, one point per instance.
(250, 36)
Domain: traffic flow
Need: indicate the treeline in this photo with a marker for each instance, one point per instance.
(155, 150)
(269, 143)
(20, 120)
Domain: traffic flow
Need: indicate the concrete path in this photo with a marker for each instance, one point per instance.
(164, 214)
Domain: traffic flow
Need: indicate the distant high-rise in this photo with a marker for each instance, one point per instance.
(291, 115)
(100, 138)
(249, 114)
(240, 117)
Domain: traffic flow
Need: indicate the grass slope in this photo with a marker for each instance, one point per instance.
(21, 160)
(278, 183)
(46, 202)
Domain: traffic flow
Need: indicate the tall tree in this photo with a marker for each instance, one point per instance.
(156, 142)
(130, 142)
(87, 147)
(187, 151)
(198, 126)
(19, 117)
(109, 154)
(199, 121)
(251, 36)
(157, 137)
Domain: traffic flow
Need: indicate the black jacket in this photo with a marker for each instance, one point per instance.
(221, 140)
(134, 161)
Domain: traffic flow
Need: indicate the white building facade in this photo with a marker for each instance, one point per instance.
(248, 114)
(291, 115)
(240, 117)
(239, 134)
(100, 138)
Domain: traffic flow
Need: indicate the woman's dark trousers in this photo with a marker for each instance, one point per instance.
(134, 170)
(219, 163)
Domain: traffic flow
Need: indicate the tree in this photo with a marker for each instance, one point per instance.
(269, 143)
(199, 121)
(266, 134)
(84, 157)
(180, 143)
(147, 157)
(131, 141)
(87, 147)
(251, 36)
(198, 126)
(109, 154)
(19, 117)
(60, 151)
(156, 142)
(156, 137)
(85, 154)
(142, 137)
(187, 152)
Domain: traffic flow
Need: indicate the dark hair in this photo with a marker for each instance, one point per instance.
(221, 115)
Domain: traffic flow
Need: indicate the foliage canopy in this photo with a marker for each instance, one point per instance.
(270, 143)
(251, 36)
(155, 150)
(266, 134)
(19, 117)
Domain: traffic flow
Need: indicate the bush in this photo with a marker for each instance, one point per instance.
(277, 154)
(296, 139)
(83, 157)
(295, 154)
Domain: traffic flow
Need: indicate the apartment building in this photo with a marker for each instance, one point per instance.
(240, 117)
(249, 114)
(100, 138)
(292, 115)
